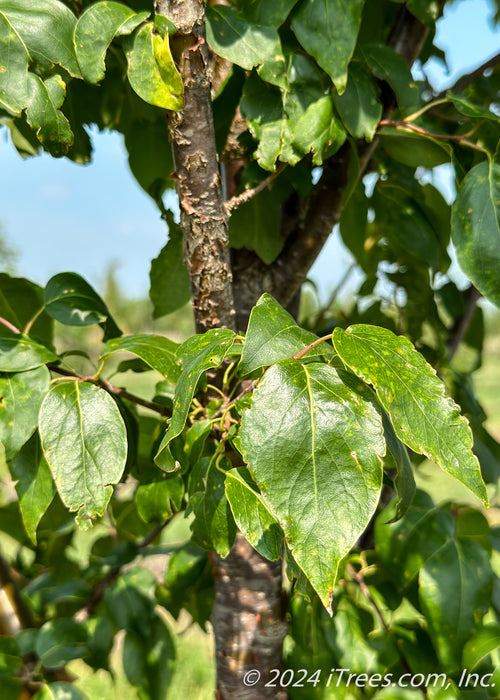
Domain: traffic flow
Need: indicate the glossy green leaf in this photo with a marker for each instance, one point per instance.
(71, 300)
(475, 227)
(169, 280)
(14, 60)
(328, 29)
(318, 130)
(197, 354)
(405, 545)
(35, 486)
(358, 105)
(50, 125)
(20, 352)
(313, 445)
(151, 69)
(150, 156)
(252, 516)
(268, 13)
(262, 106)
(455, 590)
(49, 39)
(255, 225)
(21, 395)
(60, 641)
(408, 388)
(469, 109)
(248, 45)
(274, 335)
(157, 351)
(480, 645)
(20, 301)
(213, 526)
(85, 444)
(160, 500)
(387, 65)
(95, 30)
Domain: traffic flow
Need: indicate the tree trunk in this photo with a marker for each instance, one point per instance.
(248, 617)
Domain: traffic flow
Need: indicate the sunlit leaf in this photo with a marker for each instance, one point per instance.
(156, 350)
(19, 353)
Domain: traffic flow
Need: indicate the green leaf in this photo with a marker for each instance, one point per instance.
(35, 486)
(169, 279)
(151, 69)
(358, 106)
(267, 13)
(274, 335)
(470, 109)
(404, 480)
(60, 641)
(85, 444)
(313, 446)
(60, 690)
(261, 104)
(413, 149)
(318, 130)
(387, 65)
(50, 125)
(328, 29)
(255, 225)
(71, 300)
(150, 156)
(158, 352)
(20, 301)
(160, 500)
(21, 395)
(475, 225)
(197, 354)
(427, 11)
(49, 39)
(213, 526)
(130, 601)
(95, 30)
(149, 663)
(405, 545)
(14, 60)
(409, 390)
(20, 352)
(480, 645)
(252, 516)
(246, 44)
(455, 589)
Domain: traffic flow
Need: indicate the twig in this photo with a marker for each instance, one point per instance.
(461, 326)
(9, 325)
(115, 390)
(245, 196)
(358, 578)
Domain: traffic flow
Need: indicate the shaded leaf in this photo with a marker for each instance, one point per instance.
(150, 156)
(21, 395)
(149, 663)
(404, 480)
(197, 354)
(413, 149)
(19, 352)
(387, 65)
(268, 13)
(130, 601)
(85, 444)
(475, 224)
(35, 486)
(328, 29)
(60, 641)
(255, 225)
(20, 300)
(161, 499)
(156, 350)
(313, 446)
(470, 109)
(71, 300)
(60, 690)
(319, 131)
(151, 69)
(455, 589)
(252, 516)
(169, 280)
(358, 105)
(49, 39)
(246, 44)
(95, 30)
(274, 335)
(408, 388)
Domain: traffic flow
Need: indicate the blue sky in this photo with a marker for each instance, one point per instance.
(60, 216)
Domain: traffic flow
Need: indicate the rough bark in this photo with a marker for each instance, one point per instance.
(307, 226)
(248, 619)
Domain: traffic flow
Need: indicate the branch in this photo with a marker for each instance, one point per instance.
(115, 390)
(311, 225)
(461, 326)
(245, 196)
(198, 183)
